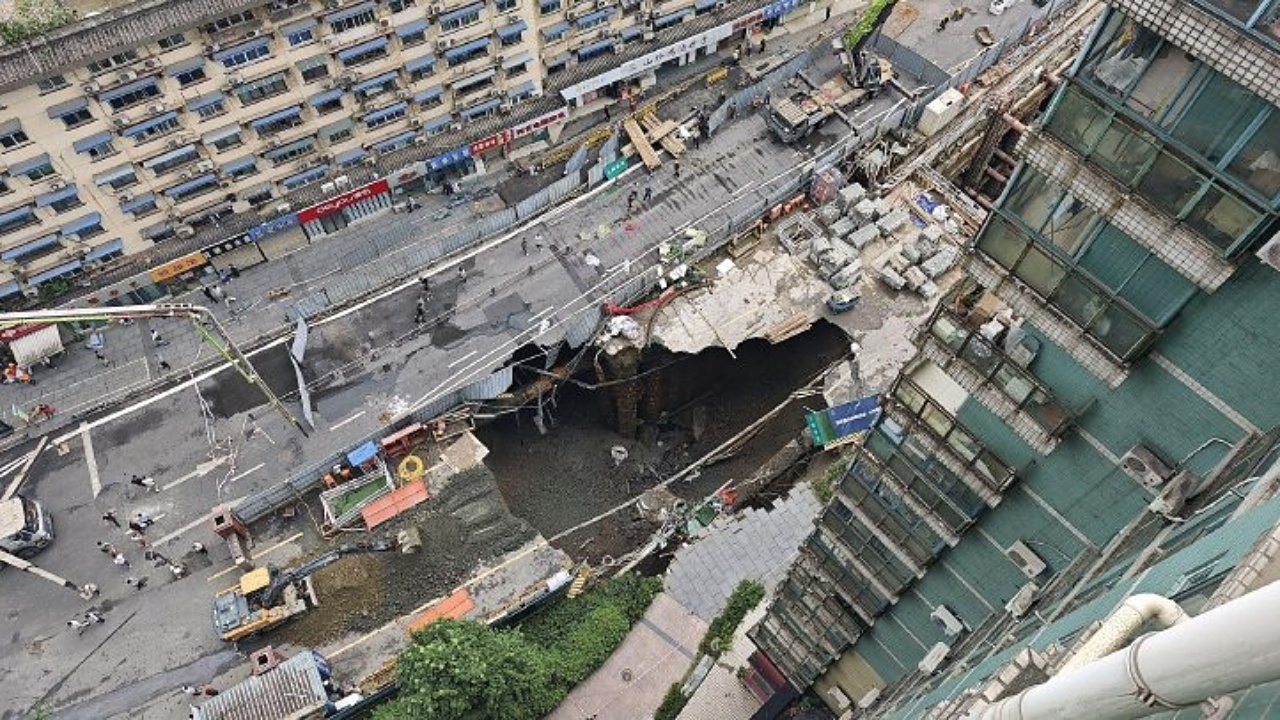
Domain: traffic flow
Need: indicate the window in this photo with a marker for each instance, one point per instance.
(115, 61)
(546, 7)
(173, 42)
(51, 84)
(42, 169)
(191, 77)
(504, 5)
(301, 36)
(76, 118)
(351, 19)
(262, 88)
(132, 95)
(244, 54)
(400, 5)
(229, 22)
(13, 137)
(313, 69)
(461, 18)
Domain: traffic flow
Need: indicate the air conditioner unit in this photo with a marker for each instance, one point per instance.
(204, 166)
(127, 75)
(933, 659)
(184, 231)
(404, 94)
(385, 22)
(951, 624)
(91, 87)
(1025, 558)
(1142, 465)
(419, 140)
(157, 108)
(151, 64)
(1270, 252)
(57, 185)
(1020, 603)
(119, 121)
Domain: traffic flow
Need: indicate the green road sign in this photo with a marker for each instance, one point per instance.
(615, 168)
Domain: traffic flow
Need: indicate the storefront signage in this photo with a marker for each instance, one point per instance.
(271, 227)
(345, 200)
(174, 268)
(453, 157)
(516, 132)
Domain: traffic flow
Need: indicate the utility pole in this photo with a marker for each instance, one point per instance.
(204, 321)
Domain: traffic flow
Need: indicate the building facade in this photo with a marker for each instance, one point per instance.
(164, 120)
(1091, 382)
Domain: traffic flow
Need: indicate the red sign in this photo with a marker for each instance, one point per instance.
(515, 133)
(347, 199)
(14, 332)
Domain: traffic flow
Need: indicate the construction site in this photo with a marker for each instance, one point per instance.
(705, 386)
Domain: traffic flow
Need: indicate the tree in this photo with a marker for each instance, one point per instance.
(463, 670)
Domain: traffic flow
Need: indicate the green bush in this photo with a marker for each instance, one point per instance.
(719, 637)
(672, 703)
(469, 671)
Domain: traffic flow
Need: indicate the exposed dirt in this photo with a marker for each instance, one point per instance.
(568, 476)
(463, 524)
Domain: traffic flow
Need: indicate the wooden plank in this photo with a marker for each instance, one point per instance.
(647, 153)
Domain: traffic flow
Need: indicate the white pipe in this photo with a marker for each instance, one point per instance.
(1230, 648)
(1120, 627)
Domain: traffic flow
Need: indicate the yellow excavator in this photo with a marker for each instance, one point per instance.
(268, 596)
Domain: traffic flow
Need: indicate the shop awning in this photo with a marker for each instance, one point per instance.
(362, 48)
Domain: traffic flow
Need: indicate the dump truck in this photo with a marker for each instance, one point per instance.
(266, 597)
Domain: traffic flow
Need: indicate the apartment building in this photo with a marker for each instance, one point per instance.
(1087, 389)
(164, 120)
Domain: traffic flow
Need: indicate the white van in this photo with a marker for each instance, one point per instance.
(25, 526)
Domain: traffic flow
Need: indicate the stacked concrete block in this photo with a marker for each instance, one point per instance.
(891, 221)
(863, 236)
(941, 262)
(864, 212)
(851, 195)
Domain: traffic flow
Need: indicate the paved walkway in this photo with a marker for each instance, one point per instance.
(757, 545)
(633, 680)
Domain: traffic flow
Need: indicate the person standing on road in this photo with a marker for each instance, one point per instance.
(147, 483)
(109, 518)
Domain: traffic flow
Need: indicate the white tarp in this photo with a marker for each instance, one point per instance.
(31, 346)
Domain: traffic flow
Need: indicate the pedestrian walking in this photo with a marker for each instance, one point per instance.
(136, 583)
(164, 364)
(94, 618)
(147, 483)
(109, 518)
(198, 547)
(677, 168)
(648, 194)
(524, 246)
(157, 339)
(77, 625)
(121, 561)
(462, 275)
(107, 548)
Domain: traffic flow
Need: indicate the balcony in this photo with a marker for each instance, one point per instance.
(978, 340)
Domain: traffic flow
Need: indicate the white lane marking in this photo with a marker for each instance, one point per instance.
(196, 523)
(95, 482)
(350, 419)
(463, 358)
(250, 471)
(201, 470)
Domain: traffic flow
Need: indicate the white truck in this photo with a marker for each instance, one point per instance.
(25, 526)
